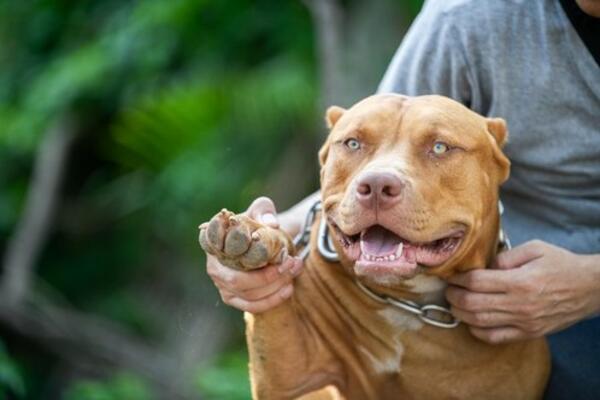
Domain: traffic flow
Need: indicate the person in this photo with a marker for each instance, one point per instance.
(536, 63)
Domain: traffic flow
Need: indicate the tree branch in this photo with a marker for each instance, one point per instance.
(327, 17)
(76, 336)
(26, 243)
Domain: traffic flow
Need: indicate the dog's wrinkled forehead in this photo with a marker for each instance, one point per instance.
(411, 125)
(374, 114)
(395, 114)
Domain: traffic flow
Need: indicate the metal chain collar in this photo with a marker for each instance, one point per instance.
(302, 239)
(431, 314)
(426, 313)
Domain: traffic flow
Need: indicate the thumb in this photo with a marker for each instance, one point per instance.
(518, 256)
(263, 210)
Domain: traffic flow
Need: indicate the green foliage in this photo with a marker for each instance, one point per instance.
(121, 386)
(11, 380)
(227, 378)
(412, 6)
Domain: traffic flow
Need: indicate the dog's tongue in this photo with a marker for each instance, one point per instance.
(378, 241)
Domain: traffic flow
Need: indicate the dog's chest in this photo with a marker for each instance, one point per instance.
(384, 353)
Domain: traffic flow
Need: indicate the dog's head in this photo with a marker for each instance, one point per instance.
(410, 185)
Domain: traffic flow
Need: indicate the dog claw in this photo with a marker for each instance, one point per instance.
(255, 236)
(203, 240)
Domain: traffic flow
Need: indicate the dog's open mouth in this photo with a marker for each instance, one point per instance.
(377, 248)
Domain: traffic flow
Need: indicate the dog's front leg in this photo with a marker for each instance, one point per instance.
(287, 357)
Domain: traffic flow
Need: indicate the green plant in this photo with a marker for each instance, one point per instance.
(11, 380)
(227, 378)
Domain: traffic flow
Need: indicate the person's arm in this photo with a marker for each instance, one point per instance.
(532, 290)
(262, 289)
(291, 220)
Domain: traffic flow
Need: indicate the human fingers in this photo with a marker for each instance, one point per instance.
(520, 255)
(483, 319)
(505, 334)
(263, 210)
(482, 280)
(262, 305)
(264, 291)
(476, 302)
(240, 281)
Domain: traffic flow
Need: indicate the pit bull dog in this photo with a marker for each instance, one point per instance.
(409, 192)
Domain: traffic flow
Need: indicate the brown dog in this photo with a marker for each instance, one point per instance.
(409, 189)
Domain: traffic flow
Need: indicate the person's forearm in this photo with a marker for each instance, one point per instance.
(291, 220)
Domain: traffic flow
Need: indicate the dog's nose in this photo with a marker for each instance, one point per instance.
(381, 189)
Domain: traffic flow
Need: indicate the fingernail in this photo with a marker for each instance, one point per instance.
(286, 291)
(268, 219)
(296, 267)
(285, 265)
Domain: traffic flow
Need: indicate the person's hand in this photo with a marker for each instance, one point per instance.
(531, 290)
(259, 290)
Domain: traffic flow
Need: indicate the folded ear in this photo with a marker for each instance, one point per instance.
(323, 153)
(333, 114)
(497, 128)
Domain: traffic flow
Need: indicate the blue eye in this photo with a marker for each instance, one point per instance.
(352, 144)
(440, 148)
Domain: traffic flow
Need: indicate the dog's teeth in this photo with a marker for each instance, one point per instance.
(362, 247)
(392, 257)
(399, 250)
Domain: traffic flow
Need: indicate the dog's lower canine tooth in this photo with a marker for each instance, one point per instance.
(399, 250)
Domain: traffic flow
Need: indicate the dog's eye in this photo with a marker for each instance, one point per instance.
(440, 148)
(352, 144)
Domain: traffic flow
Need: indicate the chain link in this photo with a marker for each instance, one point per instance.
(425, 312)
(302, 239)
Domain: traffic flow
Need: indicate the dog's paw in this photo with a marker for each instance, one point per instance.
(242, 243)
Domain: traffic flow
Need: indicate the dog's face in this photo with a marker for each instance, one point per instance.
(410, 185)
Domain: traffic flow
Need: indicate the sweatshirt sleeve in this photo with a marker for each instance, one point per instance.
(431, 58)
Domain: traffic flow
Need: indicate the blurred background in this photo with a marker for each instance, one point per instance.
(123, 125)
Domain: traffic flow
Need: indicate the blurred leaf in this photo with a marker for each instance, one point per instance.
(122, 386)
(11, 380)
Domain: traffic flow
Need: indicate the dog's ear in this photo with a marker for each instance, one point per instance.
(333, 114)
(323, 153)
(497, 128)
